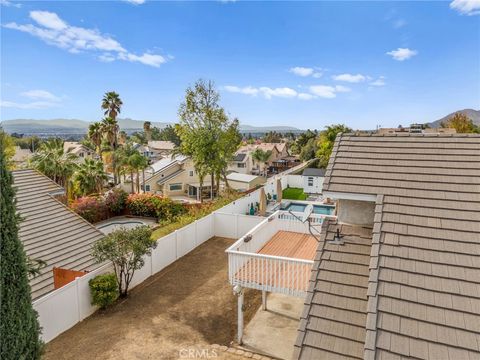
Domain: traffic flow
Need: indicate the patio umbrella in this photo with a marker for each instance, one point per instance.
(279, 190)
(262, 207)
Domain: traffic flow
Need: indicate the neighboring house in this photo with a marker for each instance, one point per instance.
(160, 149)
(79, 149)
(313, 180)
(145, 151)
(403, 280)
(52, 232)
(244, 182)
(21, 157)
(174, 176)
(245, 164)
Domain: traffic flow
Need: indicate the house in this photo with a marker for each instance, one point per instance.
(244, 163)
(175, 176)
(244, 182)
(52, 232)
(396, 275)
(79, 149)
(21, 157)
(159, 149)
(313, 180)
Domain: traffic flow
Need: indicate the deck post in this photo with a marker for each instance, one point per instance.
(240, 316)
(264, 300)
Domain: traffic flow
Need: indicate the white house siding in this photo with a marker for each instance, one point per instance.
(313, 184)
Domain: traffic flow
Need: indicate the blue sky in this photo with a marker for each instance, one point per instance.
(305, 64)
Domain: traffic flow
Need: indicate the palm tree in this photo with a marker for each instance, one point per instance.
(142, 165)
(147, 130)
(90, 177)
(262, 157)
(110, 128)
(112, 104)
(122, 137)
(52, 161)
(95, 134)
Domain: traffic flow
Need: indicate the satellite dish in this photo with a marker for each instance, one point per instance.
(307, 212)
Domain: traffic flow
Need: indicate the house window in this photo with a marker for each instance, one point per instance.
(191, 172)
(81, 154)
(310, 181)
(147, 187)
(175, 187)
(241, 165)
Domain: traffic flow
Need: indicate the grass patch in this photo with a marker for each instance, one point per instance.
(194, 213)
(294, 194)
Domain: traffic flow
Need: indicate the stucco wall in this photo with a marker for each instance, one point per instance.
(355, 212)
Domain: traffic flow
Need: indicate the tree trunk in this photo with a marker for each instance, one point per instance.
(143, 179)
(138, 181)
(131, 181)
(227, 185)
(212, 185)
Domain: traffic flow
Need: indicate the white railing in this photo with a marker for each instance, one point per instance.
(279, 274)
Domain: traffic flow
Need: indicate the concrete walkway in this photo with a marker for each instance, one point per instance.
(273, 332)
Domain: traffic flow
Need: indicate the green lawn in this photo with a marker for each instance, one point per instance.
(294, 194)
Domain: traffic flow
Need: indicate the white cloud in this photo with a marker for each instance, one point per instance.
(341, 88)
(350, 78)
(135, 2)
(54, 31)
(248, 90)
(40, 95)
(31, 105)
(323, 91)
(278, 92)
(402, 54)
(302, 71)
(379, 82)
(306, 96)
(466, 7)
(306, 71)
(9, 3)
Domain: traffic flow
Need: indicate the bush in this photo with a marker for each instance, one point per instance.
(153, 205)
(90, 208)
(115, 201)
(104, 290)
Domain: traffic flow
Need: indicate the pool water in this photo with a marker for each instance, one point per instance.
(317, 209)
(116, 225)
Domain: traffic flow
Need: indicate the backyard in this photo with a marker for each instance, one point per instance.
(188, 305)
(294, 194)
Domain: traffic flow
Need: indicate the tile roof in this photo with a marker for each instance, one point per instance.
(240, 157)
(50, 231)
(424, 266)
(161, 145)
(313, 172)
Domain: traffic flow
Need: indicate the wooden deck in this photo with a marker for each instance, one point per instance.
(292, 245)
(285, 276)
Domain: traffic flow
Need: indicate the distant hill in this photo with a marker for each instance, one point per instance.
(75, 126)
(472, 114)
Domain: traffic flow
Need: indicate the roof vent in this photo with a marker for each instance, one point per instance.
(337, 239)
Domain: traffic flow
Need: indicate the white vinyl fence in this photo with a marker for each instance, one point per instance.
(61, 309)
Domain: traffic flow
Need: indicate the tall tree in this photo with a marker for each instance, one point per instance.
(262, 157)
(19, 326)
(168, 133)
(111, 104)
(147, 129)
(52, 161)
(90, 177)
(110, 128)
(326, 141)
(203, 122)
(95, 134)
(461, 123)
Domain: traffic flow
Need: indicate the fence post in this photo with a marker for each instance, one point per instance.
(176, 244)
(196, 233)
(236, 226)
(77, 293)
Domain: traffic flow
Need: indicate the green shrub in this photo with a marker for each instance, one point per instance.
(91, 208)
(154, 205)
(116, 200)
(104, 290)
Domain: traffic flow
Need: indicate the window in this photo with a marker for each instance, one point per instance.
(81, 154)
(191, 172)
(241, 165)
(310, 181)
(175, 187)
(147, 187)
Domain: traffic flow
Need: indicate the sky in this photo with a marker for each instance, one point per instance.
(301, 64)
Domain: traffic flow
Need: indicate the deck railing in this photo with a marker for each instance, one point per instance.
(270, 273)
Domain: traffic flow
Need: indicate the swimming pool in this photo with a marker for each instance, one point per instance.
(124, 222)
(317, 209)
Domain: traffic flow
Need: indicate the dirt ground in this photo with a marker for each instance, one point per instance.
(188, 305)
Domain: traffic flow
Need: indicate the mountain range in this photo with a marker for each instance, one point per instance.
(474, 115)
(77, 126)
